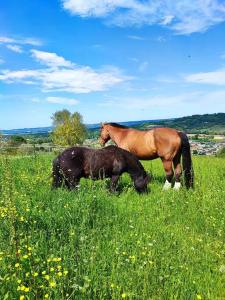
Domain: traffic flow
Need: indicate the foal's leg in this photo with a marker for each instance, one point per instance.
(178, 171)
(168, 167)
(56, 175)
(113, 182)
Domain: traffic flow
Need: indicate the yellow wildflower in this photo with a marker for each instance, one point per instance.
(199, 297)
(124, 295)
(59, 274)
(46, 296)
(35, 274)
(52, 284)
(17, 265)
(47, 277)
(27, 289)
(22, 297)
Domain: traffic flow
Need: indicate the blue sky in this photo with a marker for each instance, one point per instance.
(111, 60)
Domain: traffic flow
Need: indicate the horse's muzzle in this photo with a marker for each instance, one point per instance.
(101, 142)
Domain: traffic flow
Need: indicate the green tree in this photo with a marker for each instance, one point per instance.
(16, 140)
(68, 128)
(1, 139)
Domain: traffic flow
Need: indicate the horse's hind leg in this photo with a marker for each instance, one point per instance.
(178, 171)
(168, 167)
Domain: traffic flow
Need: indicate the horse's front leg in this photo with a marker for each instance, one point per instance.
(113, 183)
(168, 167)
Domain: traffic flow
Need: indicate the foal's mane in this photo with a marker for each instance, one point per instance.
(116, 125)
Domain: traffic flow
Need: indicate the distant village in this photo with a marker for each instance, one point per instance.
(202, 146)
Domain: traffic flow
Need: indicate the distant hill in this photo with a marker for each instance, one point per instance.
(207, 123)
(46, 130)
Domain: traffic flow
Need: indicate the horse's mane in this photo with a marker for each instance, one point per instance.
(116, 125)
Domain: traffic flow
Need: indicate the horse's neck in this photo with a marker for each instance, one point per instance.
(117, 134)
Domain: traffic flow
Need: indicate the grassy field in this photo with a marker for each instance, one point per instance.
(90, 244)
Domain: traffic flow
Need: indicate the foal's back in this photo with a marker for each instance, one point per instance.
(107, 161)
(76, 158)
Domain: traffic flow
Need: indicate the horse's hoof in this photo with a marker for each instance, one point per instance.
(167, 185)
(177, 186)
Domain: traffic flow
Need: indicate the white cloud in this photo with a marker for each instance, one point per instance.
(35, 100)
(136, 37)
(50, 59)
(161, 39)
(213, 100)
(15, 48)
(20, 41)
(181, 16)
(166, 79)
(4, 40)
(216, 77)
(62, 75)
(167, 20)
(143, 103)
(60, 100)
(143, 66)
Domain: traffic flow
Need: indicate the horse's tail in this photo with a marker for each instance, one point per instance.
(56, 174)
(186, 160)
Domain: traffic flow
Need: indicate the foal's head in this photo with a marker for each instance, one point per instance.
(141, 183)
(104, 134)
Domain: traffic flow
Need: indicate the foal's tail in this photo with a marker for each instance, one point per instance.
(57, 178)
(187, 162)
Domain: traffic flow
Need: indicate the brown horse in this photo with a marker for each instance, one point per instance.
(165, 143)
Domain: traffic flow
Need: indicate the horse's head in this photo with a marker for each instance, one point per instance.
(141, 183)
(104, 134)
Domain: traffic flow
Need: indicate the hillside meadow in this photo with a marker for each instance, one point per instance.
(90, 244)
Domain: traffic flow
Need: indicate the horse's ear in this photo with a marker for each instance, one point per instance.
(102, 124)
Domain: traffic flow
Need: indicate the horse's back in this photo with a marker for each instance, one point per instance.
(153, 143)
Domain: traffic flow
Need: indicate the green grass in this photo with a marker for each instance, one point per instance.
(90, 244)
